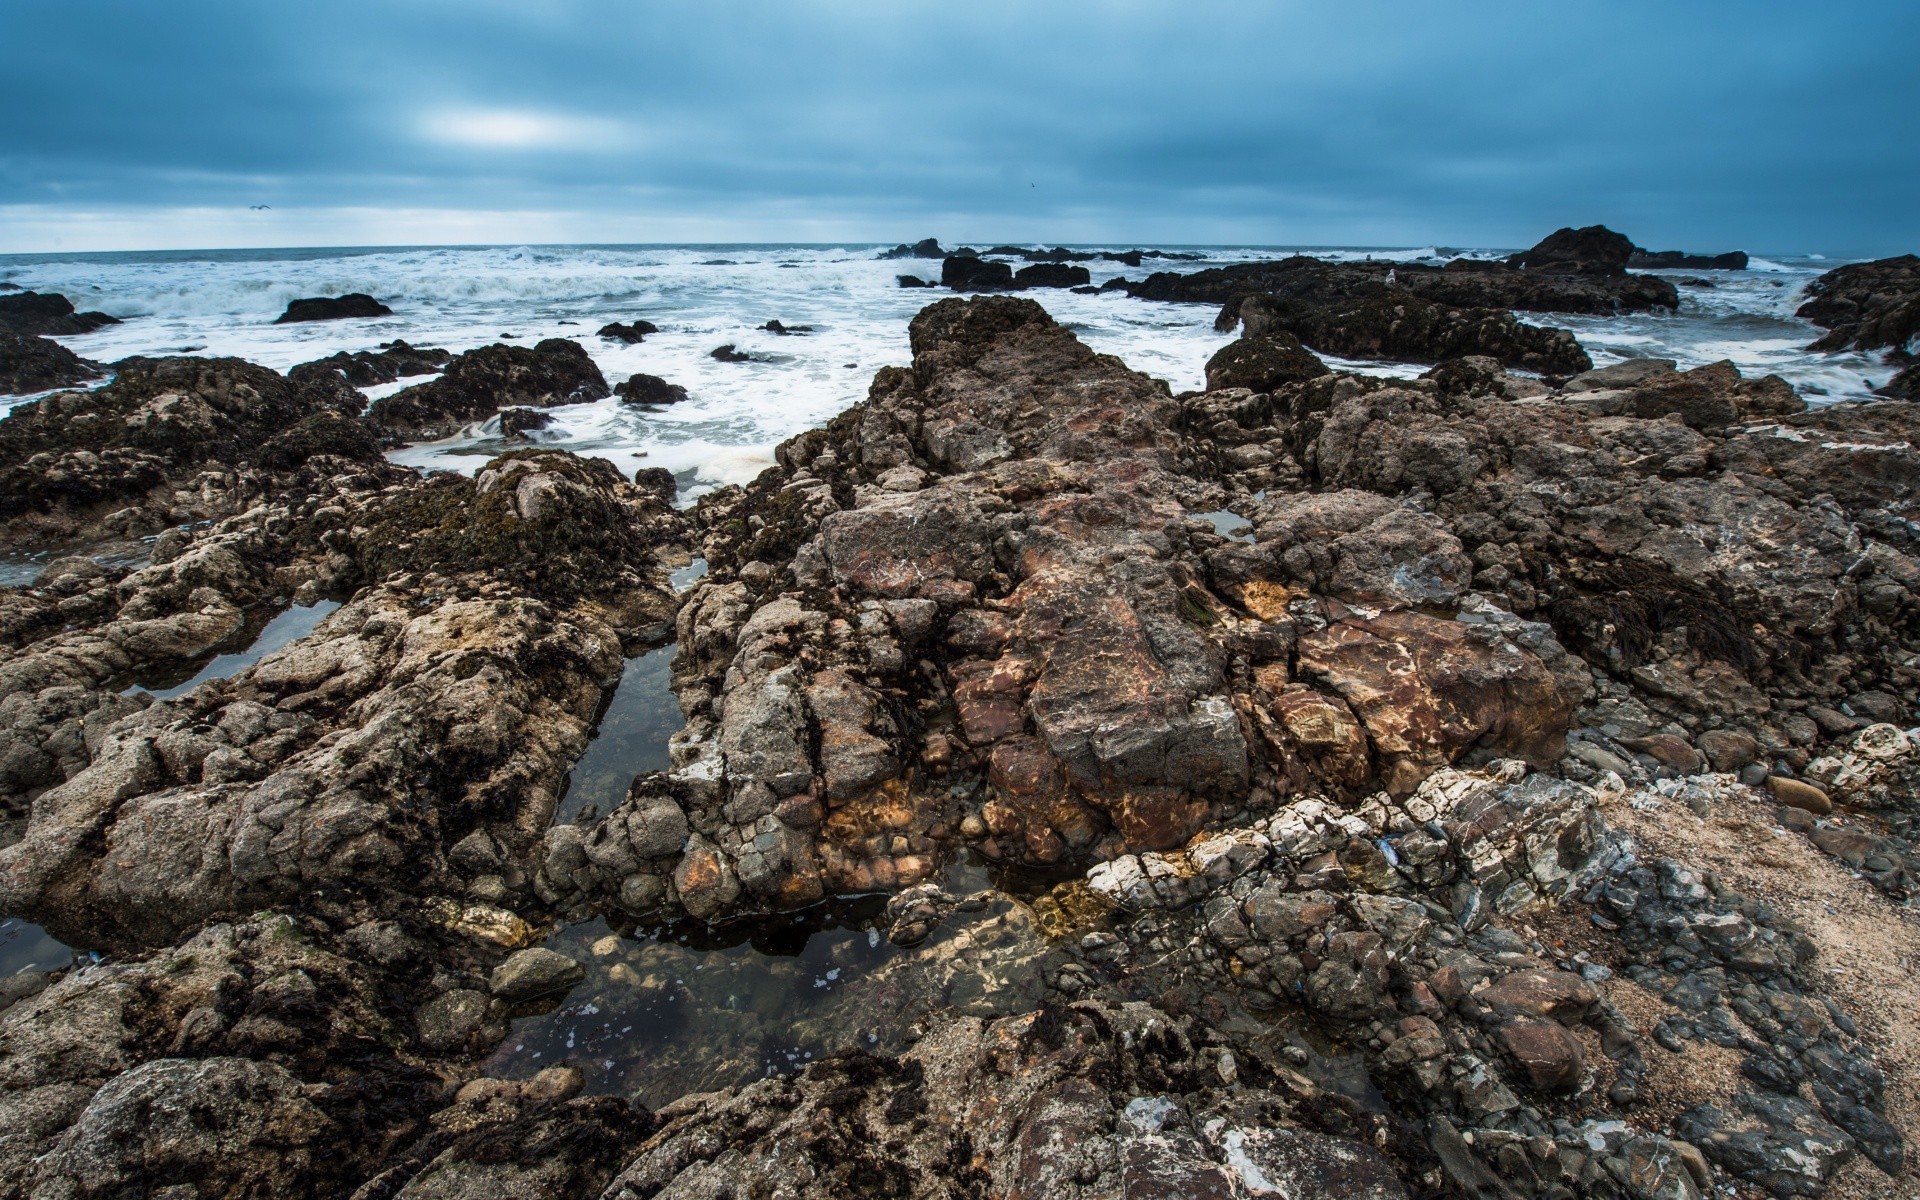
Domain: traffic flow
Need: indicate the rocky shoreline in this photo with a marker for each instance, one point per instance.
(1485, 784)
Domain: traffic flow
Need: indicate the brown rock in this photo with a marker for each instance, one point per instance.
(1728, 749)
(1549, 1055)
(1798, 794)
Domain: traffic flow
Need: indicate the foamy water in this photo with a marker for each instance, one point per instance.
(701, 297)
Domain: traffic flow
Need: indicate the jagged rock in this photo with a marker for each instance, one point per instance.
(1865, 306)
(47, 314)
(1595, 250)
(925, 248)
(168, 441)
(333, 308)
(632, 333)
(369, 368)
(966, 273)
(649, 389)
(1680, 260)
(1407, 328)
(1262, 363)
(38, 364)
(1051, 275)
(1463, 283)
(479, 383)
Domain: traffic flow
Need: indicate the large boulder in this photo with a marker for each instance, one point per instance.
(966, 273)
(480, 383)
(1051, 275)
(38, 364)
(1262, 363)
(47, 314)
(1680, 260)
(1594, 250)
(641, 388)
(332, 308)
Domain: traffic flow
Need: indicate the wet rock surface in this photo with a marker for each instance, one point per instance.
(1866, 306)
(475, 385)
(1522, 807)
(35, 314)
(368, 368)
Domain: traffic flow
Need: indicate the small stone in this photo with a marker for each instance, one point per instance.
(1798, 794)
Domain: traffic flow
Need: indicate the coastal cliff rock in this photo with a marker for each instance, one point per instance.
(1866, 306)
(38, 364)
(477, 384)
(41, 314)
(1595, 250)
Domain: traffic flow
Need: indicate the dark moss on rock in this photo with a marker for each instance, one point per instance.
(1262, 363)
(38, 364)
(369, 368)
(545, 519)
(47, 313)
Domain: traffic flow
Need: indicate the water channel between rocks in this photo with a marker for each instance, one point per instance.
(286, 627)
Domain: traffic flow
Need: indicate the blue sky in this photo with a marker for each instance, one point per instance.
(1698, 125)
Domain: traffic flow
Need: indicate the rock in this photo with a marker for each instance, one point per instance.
(1862, 306)
(479, 383)
(1407, 328)
(964, 273)
(1679, 260)
(516, 423)
(649, 389)
(453, 1021)
(774, 326)
(1595, 250)
(533, 974)
(1728, 749)
(47, 314)
(632, 333)
(1708, 398)
(1463, 283)
(1795, 793)
(1262, 363)
(333, 308)
(38, 364)
(142, 446)
(729, 354)
(1051, 275)
(368, 368)
(1619, 375)
(913, 281)
(926, 248)
(1548, 1056)
(1904, 386)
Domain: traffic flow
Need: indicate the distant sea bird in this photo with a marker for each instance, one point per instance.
(258, 207)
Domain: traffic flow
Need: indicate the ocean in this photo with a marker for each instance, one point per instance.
(704, 296)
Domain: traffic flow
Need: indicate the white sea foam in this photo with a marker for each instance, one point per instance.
(224, 303)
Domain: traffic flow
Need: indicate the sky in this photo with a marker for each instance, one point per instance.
(1687, 124)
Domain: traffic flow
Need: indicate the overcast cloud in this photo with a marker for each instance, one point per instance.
(1767, 126)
